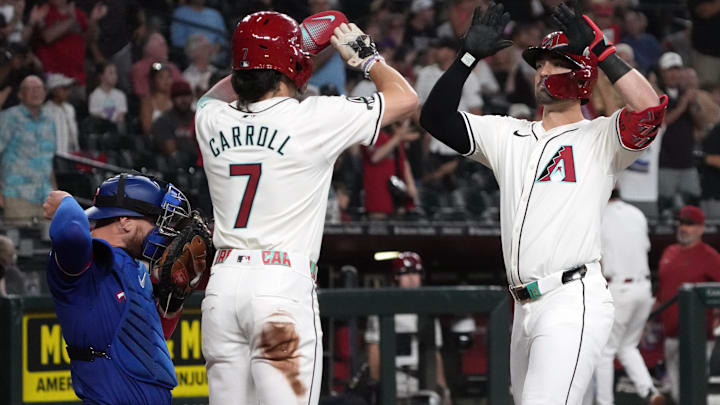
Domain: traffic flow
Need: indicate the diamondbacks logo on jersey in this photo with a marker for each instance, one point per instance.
(561, 168)
(369, 101)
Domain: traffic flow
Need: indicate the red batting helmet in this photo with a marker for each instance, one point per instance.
(407, 262)
(271, 40)
(576, 84)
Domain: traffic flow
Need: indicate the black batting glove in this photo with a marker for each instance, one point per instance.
(584, 36)
(484, 38)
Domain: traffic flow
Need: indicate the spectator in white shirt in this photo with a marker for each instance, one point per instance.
(107, 102)
(199, 51)
(61, 112)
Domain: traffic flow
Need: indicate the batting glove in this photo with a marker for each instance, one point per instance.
(356, 47)
(584, 36)
(484, 38)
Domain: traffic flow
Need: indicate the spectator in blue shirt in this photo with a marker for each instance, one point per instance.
(27, 147)
(189, 20)
(646, 47)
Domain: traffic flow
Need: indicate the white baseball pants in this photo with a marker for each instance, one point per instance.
(557, 341)
(633, 302)
(261, 332)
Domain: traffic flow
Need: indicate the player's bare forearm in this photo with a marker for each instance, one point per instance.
(374, 360)
(222, 90)
(401, 101)
(384, 150)
(636, 91)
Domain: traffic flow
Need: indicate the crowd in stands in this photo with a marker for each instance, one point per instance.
(117, 81)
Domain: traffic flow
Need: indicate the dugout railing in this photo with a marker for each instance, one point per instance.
(694, 300)
(34, 367)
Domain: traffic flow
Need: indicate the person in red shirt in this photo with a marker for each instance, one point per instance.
(689, 261)
(381, 161)
(61, 43)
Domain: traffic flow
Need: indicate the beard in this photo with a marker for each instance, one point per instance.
(685, 238)
(543, 96)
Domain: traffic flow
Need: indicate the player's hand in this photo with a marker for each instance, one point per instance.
(484, 38)
(52, 202)
(584, 36)
(355, 47)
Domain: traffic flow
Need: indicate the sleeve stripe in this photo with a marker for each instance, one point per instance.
(470, 134)
(617, 132)
(381, 107)
(78, 274)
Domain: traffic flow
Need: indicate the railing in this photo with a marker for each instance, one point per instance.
(29, 333)
(694, 301)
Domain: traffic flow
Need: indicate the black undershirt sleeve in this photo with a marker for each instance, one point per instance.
(439, 115)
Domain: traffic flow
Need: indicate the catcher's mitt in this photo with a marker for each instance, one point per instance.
(185, 262)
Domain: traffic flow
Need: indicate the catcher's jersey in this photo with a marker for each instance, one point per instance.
(554, 186)
(269, 171)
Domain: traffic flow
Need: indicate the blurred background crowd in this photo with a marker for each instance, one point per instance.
(89, 88)
(117, 81)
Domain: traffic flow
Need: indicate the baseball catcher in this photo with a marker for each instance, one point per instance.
(185, 264)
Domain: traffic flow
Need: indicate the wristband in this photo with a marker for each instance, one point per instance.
(614, 67)
(370, 62)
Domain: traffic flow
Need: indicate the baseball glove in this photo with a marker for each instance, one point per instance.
(185, 262)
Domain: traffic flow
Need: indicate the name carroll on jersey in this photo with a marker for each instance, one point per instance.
(250, 135)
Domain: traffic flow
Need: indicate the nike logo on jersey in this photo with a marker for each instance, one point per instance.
(142, 280)
(325, 17)
(516, 133)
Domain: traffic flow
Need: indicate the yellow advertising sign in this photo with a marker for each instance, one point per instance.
(46, 365)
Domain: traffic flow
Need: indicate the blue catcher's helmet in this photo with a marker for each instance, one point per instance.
(131, 195)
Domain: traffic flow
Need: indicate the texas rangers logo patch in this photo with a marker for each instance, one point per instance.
(561, 168)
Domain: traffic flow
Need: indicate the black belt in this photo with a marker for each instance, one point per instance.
(530, 291)
(86, 353)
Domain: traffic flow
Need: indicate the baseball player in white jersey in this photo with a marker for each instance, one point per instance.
(555, 177)
(269, 160)
(625, 247)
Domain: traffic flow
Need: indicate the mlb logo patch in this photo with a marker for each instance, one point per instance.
(243, 259)
(120, 296)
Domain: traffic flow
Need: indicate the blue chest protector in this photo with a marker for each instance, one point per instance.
(139, 347)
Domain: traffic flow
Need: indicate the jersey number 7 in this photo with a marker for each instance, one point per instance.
(253, 171)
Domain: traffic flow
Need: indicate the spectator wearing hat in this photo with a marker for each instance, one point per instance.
(407, 272)
(677, 173)
(705, 15)
(107, 102)
(174, 131)
(27, 148)
(61, 112)
(690, 260)
(18, 63)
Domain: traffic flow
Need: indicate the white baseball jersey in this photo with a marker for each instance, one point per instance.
(625, 242)
(269, 171)
(554, 186)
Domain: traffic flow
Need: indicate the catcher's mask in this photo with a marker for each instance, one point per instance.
(578, 83)
(131, 195)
